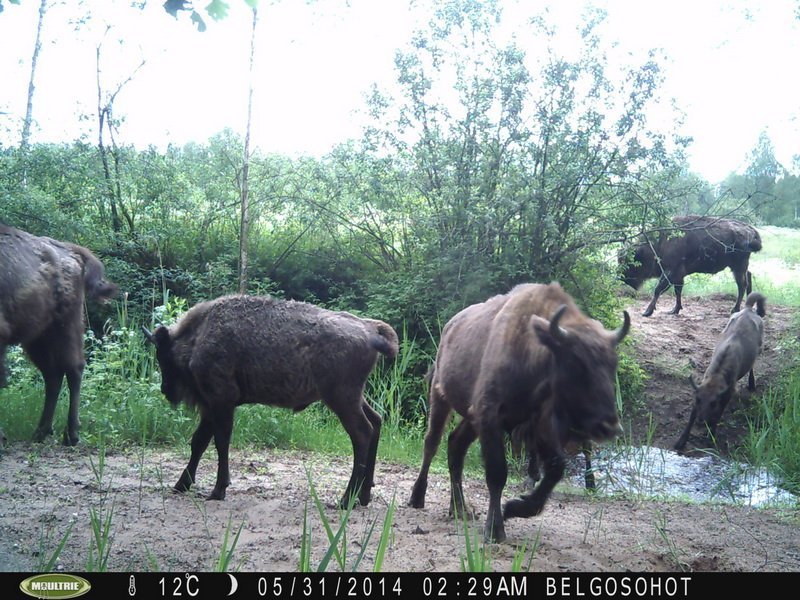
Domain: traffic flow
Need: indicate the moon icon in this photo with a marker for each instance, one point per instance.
(234, 585)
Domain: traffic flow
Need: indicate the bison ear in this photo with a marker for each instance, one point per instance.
(550, 334)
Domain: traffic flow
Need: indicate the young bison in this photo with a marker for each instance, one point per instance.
(529, 355)
(740, 343)
(258, 350)
(42, 287)
(702, 245)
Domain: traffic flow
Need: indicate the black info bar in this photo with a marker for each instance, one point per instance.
(202, 585)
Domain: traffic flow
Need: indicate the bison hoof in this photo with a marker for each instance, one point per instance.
(522, 507)
(71, 439)
(494, 534)
(415, 503)
(648, 312)
(216, 495)
(184, 483)
(463, 512)
(41, 434)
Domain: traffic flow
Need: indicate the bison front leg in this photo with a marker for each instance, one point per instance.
(200, 441)
(494, 461)
(529, 505)
(685, 435)
(663, 284)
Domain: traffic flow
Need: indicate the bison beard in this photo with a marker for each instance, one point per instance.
(257, 350)
(528, 356)
(43, 283)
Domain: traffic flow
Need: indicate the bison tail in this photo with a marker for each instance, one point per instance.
(758, 300)
(385, 341)
(754, 243)
(97, 286)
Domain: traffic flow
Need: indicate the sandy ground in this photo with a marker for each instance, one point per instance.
(46, 487)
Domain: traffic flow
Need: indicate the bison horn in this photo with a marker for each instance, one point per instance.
(558, 333)
(622, 331)
(148, 335)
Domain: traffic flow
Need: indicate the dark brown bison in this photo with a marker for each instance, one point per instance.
(258, 350)
(529, 355)
(701, 245)
(739, 345)
(42, 287)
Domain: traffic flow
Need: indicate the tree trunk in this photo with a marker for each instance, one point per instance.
(245, 187)
(26, 126)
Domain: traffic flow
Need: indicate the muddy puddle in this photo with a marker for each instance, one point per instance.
(660, 473)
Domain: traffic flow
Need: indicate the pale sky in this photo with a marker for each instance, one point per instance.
(731, 69)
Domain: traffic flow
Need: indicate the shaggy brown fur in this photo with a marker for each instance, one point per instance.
(42, 287)
(529, 355)
(703, 245)
(740, 344)
(258, 350)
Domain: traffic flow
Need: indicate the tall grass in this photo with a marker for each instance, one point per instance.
(339, 548)
(773, 440)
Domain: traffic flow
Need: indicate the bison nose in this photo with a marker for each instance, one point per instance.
(607, 430)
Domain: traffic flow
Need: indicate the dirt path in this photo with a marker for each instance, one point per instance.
(44, 488)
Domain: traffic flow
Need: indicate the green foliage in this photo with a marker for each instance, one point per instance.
(774, 436)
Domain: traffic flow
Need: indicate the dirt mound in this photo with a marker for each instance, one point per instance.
(670, 348)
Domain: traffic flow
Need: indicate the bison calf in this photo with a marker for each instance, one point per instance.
(43, 283)
(529, 355)
(740, 343)
(258, 350)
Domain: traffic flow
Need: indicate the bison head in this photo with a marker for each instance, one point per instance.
(170, 374)
(583, 374)
(637, 266)
(709, 398)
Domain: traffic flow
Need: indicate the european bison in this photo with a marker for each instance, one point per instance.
(42, 287)
(740, 343)
(529, 355)
(701, 245)
(259, 350)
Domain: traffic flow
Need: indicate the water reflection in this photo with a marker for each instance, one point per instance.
(657, 472)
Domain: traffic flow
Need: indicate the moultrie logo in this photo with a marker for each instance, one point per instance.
(55, 585)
